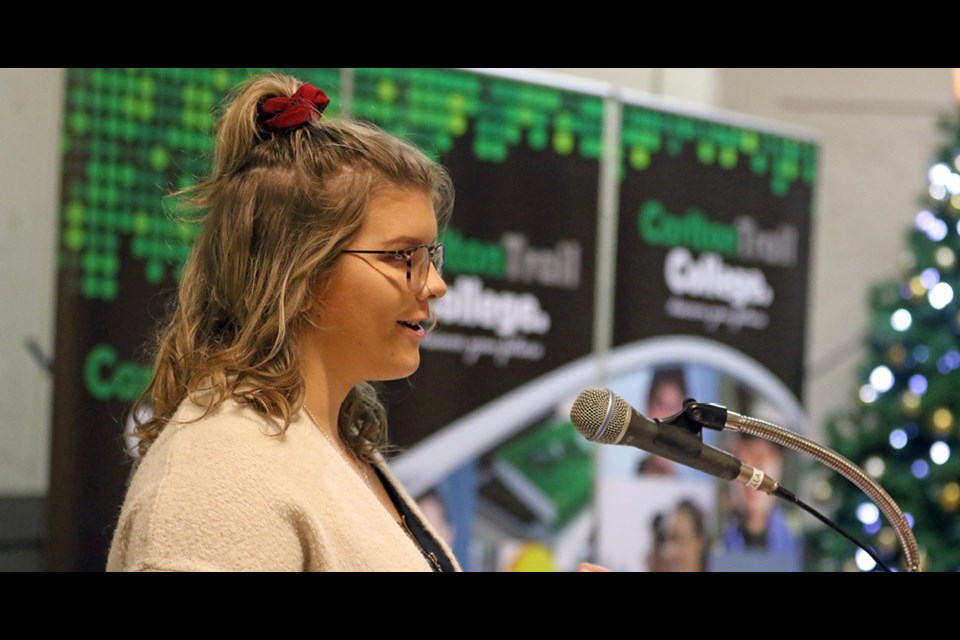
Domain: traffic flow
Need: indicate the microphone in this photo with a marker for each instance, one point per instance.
(602, 416)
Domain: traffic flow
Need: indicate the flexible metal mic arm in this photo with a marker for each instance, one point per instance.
(718, 417)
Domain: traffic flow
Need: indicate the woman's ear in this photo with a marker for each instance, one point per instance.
(312, 308)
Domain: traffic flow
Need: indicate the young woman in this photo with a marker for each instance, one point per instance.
(313, 275)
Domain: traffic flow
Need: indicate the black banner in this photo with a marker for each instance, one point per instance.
(714, 235)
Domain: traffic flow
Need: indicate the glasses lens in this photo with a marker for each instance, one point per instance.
(419, 268)
(438, 259)
(420, 265)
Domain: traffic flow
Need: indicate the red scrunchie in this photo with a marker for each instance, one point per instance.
(282, 113)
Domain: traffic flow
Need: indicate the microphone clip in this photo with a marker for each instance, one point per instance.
(696, 415)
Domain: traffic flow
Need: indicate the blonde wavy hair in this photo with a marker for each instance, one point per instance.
(275, 211)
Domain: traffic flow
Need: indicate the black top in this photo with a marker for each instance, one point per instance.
(429, 547)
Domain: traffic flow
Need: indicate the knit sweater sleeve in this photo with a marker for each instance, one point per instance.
(209, 498)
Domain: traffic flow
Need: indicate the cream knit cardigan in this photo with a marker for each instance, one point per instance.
(222, 494)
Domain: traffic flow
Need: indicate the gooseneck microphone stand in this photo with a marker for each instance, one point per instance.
(718, 418)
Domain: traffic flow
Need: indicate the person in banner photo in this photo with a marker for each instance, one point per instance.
(686, 544)
(668, 389)
(756, 531)
(313, 275)
(756, 523)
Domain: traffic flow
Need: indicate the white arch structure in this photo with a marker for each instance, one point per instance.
(469, 437)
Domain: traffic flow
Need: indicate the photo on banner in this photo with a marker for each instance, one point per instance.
(653, 512)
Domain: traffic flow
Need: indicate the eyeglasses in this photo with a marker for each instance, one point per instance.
(418, 261)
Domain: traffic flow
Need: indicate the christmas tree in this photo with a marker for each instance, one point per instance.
(903, 432)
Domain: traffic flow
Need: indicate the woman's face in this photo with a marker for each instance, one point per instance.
(683, 549)
(665, 400)
(366, 305)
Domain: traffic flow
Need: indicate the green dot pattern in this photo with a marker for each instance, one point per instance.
(434, 107)
(646, 134)
(131, 137)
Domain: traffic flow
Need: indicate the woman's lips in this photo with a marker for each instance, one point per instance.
(413, 327)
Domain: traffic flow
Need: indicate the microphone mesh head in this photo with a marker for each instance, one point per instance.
(592, 412)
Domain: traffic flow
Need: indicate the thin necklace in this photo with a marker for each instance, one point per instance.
(402, 522)
(359, 468)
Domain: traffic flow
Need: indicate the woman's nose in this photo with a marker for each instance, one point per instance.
(435, 288)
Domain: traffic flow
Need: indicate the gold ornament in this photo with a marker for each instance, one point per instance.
(886, 539)
(945, 257)
(950, 496)
(942, 421)
(910, 403)
(916, 287)
(896, 354)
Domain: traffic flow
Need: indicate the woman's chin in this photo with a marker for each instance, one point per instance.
(401, 371)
